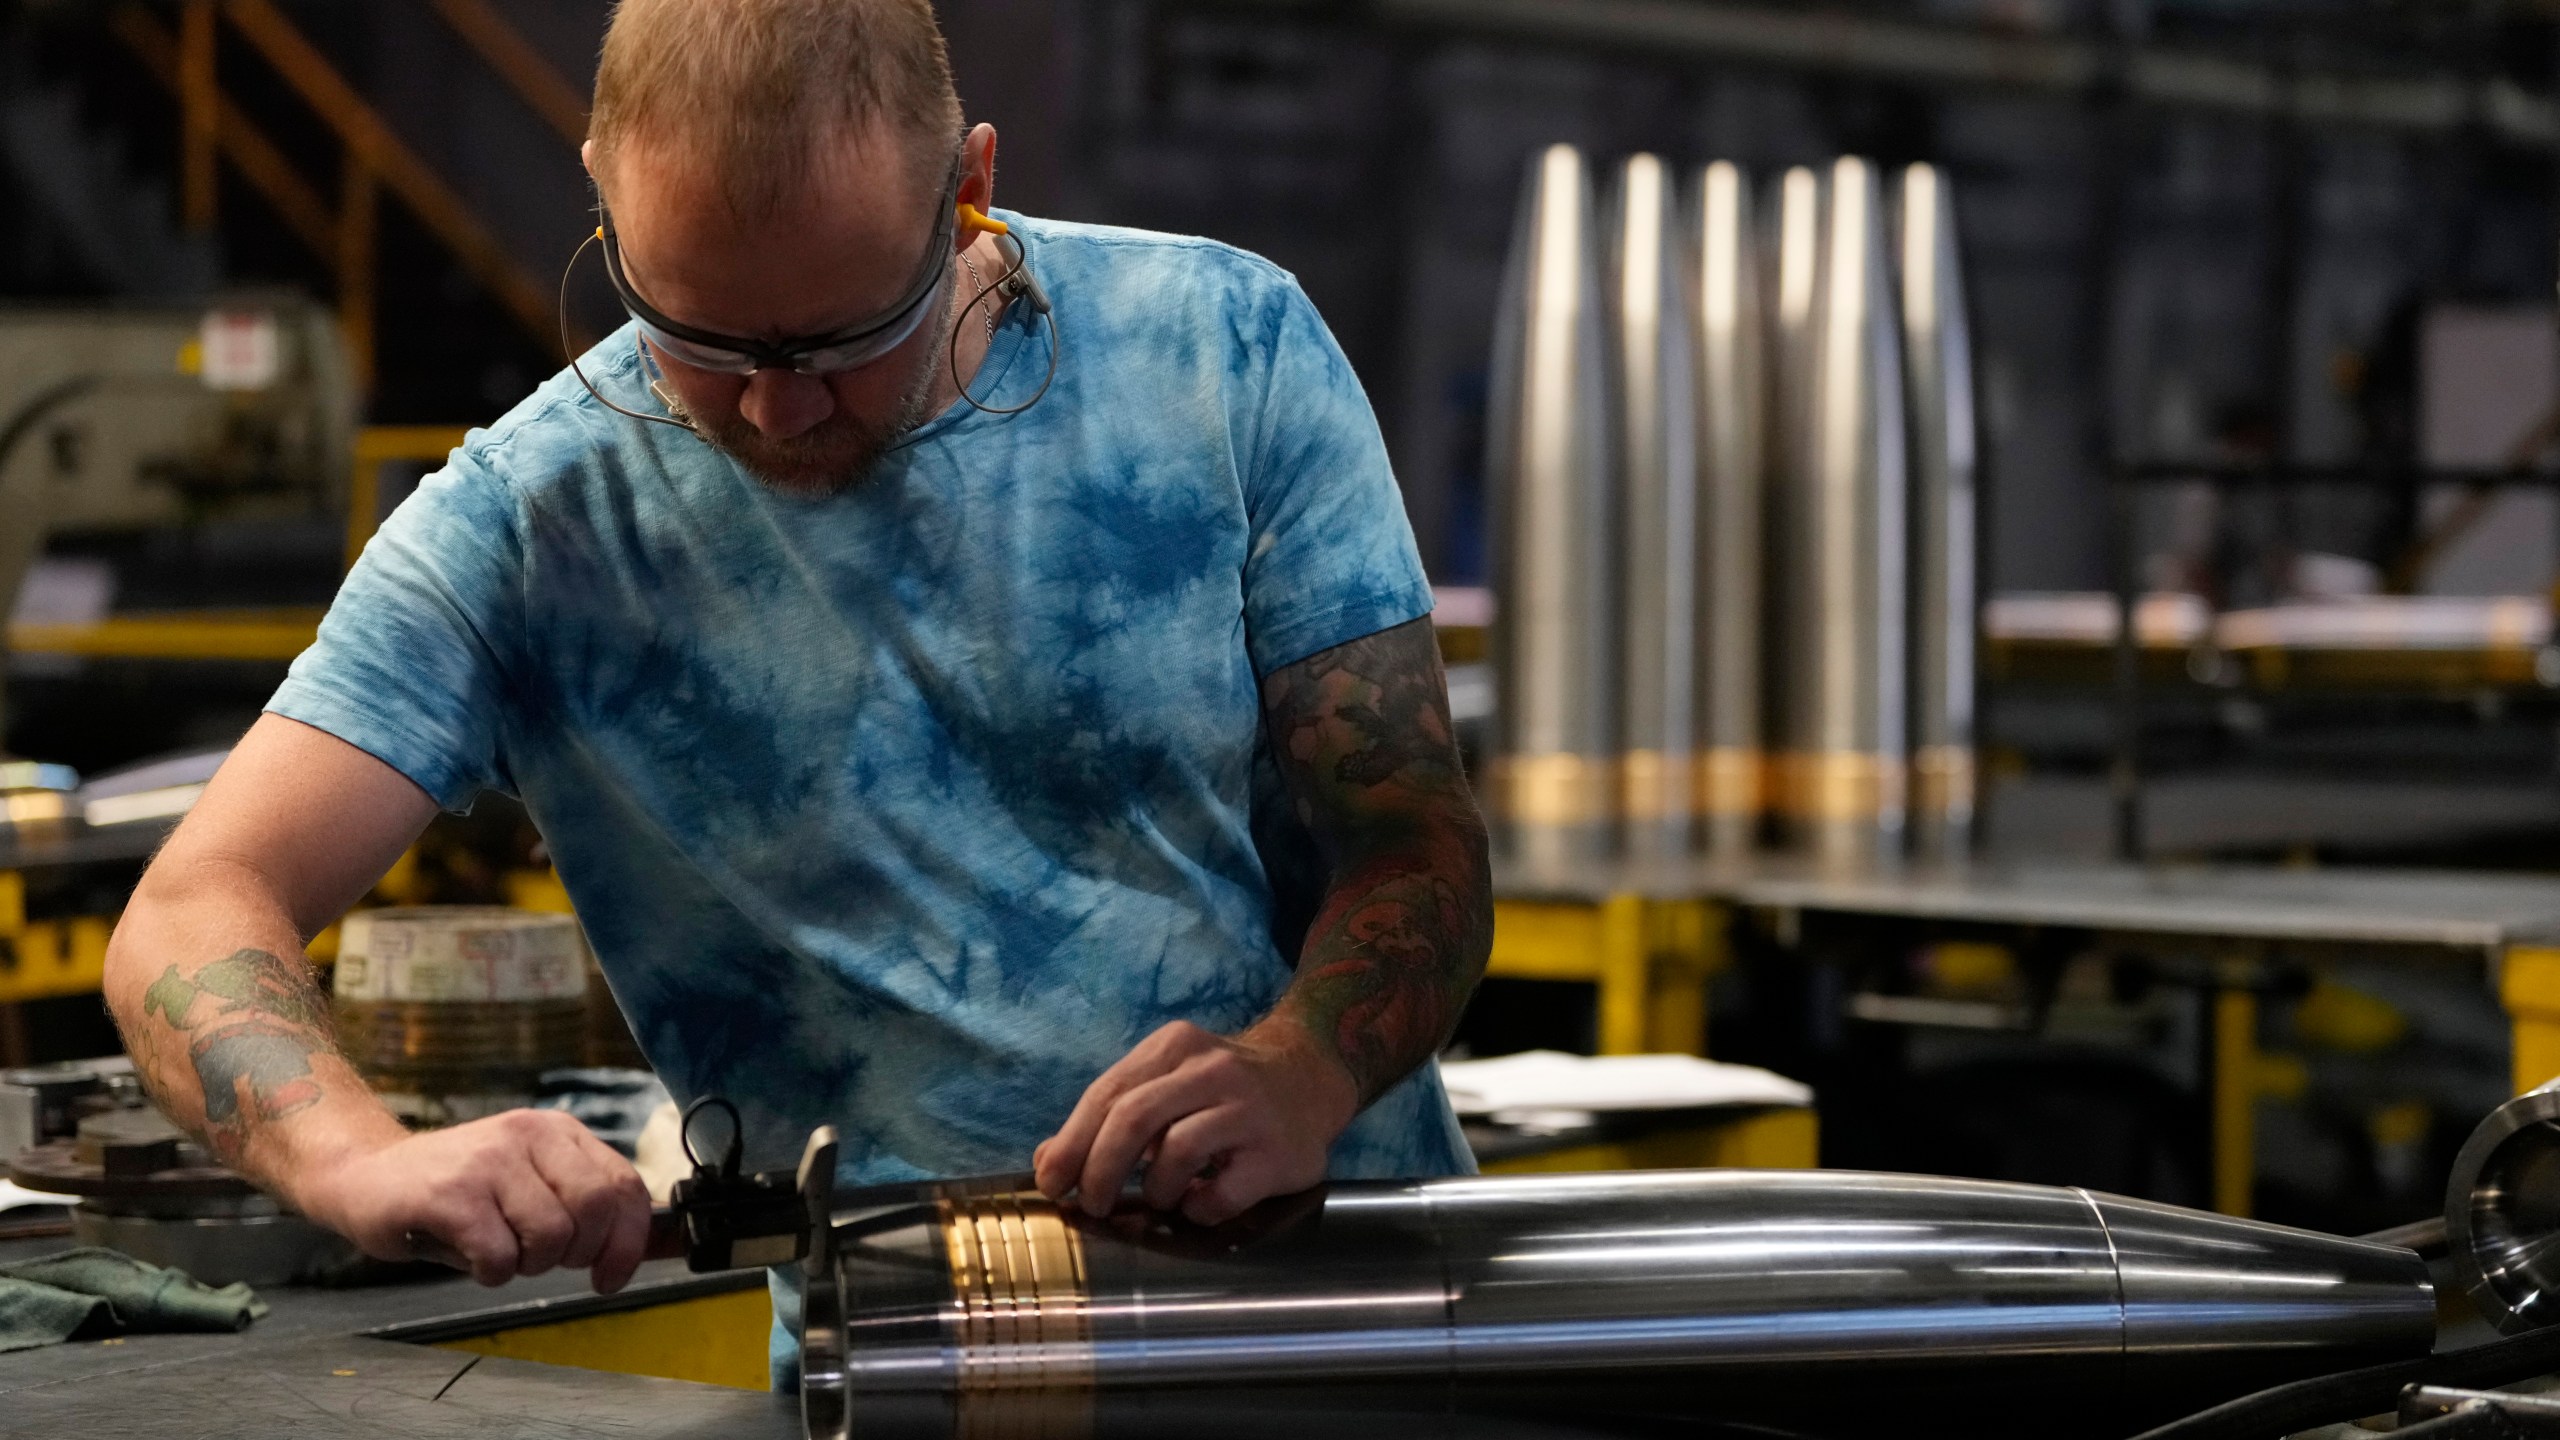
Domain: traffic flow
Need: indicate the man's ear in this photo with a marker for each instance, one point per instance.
(981, 178)
(587, 157)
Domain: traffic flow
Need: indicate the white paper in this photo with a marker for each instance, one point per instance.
(14, 1196)
(1550, 1080)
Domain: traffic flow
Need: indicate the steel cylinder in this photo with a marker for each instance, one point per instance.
(1816, 1302)
(1938, 391)
(452, 1012)
(1726, 319)
(1841, 542)
(1653, 394)
(1551, 784)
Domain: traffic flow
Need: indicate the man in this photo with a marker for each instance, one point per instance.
(915, 768)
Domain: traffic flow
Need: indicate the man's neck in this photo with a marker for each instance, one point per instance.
(966, 333)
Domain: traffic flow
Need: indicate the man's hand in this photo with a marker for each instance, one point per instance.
(1362, 736)
(1220, 1123)
(515, 1194)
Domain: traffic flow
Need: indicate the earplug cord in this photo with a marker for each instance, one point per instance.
(567, 348)
(1013, 283)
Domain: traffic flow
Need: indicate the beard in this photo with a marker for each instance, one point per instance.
(833, 455)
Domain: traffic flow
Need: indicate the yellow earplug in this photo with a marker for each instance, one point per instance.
(976, 221)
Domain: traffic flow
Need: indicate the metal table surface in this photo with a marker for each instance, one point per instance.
(307, 1371)
(2478, 912)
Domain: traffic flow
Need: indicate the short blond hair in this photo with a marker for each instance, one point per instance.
(752, 89)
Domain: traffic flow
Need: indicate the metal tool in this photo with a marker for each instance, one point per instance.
(1552, 782)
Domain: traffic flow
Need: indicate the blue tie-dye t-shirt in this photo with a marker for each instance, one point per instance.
(911, 808)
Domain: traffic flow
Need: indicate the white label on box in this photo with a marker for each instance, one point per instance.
(242, 350)
(460, 956)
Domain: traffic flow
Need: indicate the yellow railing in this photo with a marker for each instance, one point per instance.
(176, 635)
(377, 446)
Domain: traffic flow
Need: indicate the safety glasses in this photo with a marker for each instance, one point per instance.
(808, 355)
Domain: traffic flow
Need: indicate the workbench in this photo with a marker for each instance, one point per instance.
(317, 1368)
(1650, 935)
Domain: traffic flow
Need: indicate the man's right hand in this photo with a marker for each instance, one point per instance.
(515, 1194)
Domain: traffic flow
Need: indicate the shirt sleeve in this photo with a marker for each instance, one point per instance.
(411, 662)
(1331, 555)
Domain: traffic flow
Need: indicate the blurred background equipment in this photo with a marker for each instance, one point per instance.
(121, 423)
(453, 1012)
(85, 1133)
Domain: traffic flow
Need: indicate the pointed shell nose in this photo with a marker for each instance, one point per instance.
(2214, 1305)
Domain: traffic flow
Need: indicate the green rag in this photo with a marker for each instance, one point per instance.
(88, 1294)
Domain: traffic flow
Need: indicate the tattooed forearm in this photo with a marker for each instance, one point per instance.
(252, 1023)
(1362, 733)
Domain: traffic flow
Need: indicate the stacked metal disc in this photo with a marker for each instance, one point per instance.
(1734, 490)
(453, 1012)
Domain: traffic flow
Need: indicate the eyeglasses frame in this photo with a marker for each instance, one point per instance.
(793, 354)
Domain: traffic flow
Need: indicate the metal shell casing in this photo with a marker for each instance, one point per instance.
(1938, 385)
(1653, 394)
(1841, 543)
(1552, 789)
(1824, 1303)
(1727, 323)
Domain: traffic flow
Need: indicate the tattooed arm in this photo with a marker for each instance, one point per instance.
(1362, 734)
(230, 1030)
(1365, 742)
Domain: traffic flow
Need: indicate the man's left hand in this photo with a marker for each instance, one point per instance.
(1220, 1122)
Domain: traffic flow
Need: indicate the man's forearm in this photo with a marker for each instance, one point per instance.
(1396, 950)
(232, 1034)
(1363, 738)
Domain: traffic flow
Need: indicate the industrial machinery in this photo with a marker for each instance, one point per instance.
(137, 418)
(139, 1185)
